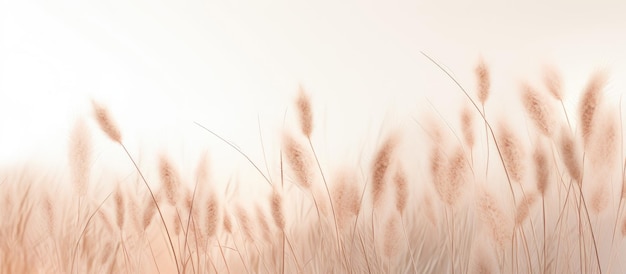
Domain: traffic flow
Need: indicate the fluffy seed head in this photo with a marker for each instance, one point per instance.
(106, 123)
(494, 218)
(391, 237)
(244, 223)
(346, 197)
(537, 109)
(542, 169)
(169, 179)
(381, 162)
(569, 153)
(400, 182)
(276, 201)
(262, 221)
(512, 153)
(604, 143)
(523, 208)
(202, 172)
(148, 212)
(298, 160)
(303, 103)
(80, 156)
(120, 207)
(589, 103)
(484, 82)
(212, 215)
(228, 225)
(467, 126)
(552, 81)
(599, 197)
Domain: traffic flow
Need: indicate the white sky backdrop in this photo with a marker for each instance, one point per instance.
(160, 65)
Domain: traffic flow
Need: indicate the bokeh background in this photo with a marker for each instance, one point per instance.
(235, 67)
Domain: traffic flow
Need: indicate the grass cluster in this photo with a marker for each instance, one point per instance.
(547, 198)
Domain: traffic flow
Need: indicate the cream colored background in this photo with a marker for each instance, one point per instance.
(160, 65)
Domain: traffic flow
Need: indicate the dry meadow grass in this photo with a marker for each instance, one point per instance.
(543, 198)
